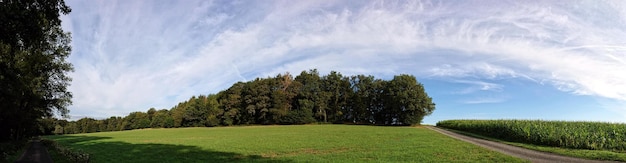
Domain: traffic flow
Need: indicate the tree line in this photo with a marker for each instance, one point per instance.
(33, 66)
(283, 99)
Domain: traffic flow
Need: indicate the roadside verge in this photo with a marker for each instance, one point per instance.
(534, 156)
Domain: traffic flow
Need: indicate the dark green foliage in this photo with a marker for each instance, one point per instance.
(256, 102)
(162, 119)
(230, 103)
(213, 111)
(47, 125)
(297, 116)
(196, 112)
(338, 90)
(575, 135)
(283, 99)
(406, 101)
(136, 120)
(310, 97)
(33, 66)
(114, 124)
(365, 101)
(86, 125)
(8, 149)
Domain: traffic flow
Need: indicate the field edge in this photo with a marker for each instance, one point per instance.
(601, 155)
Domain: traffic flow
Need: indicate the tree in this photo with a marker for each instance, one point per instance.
(86, 125)
(213, 111)
(71, 128)
(162, 119)
(33, 65)
(151, 113)
(281, 97)
(114, 124)
(230, 102)
(59, 127)
(338, 89)
(406, 101)
(257, 101)
(310, 98)
(46, 126)
(365, 102)
(194, 114)
(136, 120)
(177, 114)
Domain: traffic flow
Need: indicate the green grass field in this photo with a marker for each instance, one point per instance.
(297, 143)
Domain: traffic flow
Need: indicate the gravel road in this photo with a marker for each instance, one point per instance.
(36, 153)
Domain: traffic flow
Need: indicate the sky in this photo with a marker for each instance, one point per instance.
(500, 59)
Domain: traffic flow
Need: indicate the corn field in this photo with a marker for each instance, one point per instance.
(575, 135)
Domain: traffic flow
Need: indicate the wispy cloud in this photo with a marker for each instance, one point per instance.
(484, 100)
(141, 54)
(478, 86)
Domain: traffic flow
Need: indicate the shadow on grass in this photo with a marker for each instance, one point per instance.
(116, 151)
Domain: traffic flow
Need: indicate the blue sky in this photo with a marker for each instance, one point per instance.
(553, 60)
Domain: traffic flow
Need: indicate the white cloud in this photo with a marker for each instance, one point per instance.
(479, 86)
(484, 100)
(478, 70)
(136, 55)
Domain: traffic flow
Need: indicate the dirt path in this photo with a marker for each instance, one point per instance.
(36, 153)
(533, 156)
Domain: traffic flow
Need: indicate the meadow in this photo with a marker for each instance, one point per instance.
(296, 143)
(593, 140)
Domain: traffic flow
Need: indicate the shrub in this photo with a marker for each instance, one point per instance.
(72, 155)
(8, 150)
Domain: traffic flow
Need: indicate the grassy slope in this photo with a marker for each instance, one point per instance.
(311, 143)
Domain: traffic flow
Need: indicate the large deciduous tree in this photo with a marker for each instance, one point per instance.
(406, 101)
(33, 66)
(337, 89)
(310, 101)
(231, 104)
(283, 92)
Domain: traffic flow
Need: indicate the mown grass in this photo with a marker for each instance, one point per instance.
(298, 143)
(590, 140)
